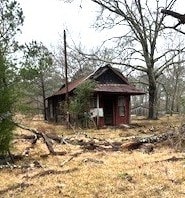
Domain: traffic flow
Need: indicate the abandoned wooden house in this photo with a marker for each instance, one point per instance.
(110, 102)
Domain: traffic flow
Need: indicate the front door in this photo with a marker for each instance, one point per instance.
(108, 111)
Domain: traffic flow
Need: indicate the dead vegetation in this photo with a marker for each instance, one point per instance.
(96, 163)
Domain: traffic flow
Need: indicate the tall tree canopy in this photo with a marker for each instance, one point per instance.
(11, 19)
(140, 43)
(37, 74)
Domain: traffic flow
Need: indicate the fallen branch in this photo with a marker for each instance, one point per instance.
(53, 172)
(26, 137)
(68, 160)
(156, 138)
(15, 186)
(48, 144)
(171, 159)
(40, 134)
(91, 143)
(28, 129)
(92, 160)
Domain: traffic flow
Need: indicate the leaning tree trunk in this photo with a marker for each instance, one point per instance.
(152, 96)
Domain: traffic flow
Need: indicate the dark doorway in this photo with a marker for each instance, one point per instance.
(108, 111)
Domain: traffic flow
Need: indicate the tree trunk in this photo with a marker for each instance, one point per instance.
(152, 96)
(43, 96)
(167, 103)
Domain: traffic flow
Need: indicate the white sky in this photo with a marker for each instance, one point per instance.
(45, 21)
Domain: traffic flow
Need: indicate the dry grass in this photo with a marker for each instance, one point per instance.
(98, 174)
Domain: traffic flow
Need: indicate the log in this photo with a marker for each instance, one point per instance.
(40, 134)
(55, 137)
(131, 145)
(157, 138)
(134, 143)
(91, 143)
(26, 137)
(137, 142)
(48, 144)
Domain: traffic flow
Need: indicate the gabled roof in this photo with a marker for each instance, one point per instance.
(71, 86)
(124, 88)
(102, 70)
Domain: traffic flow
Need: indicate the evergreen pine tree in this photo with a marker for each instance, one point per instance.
(6, 102)
(11, 18)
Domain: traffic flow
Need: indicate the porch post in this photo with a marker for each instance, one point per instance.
(129, 111)
(98, 106)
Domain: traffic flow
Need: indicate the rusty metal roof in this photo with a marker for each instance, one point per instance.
(118, 88)
(125, 88)
(109, 88)
(71, 86)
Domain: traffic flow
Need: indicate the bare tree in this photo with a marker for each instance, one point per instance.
(173, 87)
(78, 64)
(139, 41)
(180, 17)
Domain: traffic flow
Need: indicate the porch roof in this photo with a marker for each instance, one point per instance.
(118, 88)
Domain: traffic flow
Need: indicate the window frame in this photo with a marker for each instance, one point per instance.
(93, 102)
(121, 106)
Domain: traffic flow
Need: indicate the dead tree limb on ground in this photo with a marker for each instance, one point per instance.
(22, 185)
(48, 143)
(156, 138)
(90, 144)
(132, 144)
(53, 172)
(171, 159)
(47, 140)
(72, 157)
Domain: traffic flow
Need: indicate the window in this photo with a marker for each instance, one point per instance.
(121, 105)
(93, 102)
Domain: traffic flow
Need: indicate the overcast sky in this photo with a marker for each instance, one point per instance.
(45, 21)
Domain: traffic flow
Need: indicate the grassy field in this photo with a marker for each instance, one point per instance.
(97, 174)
